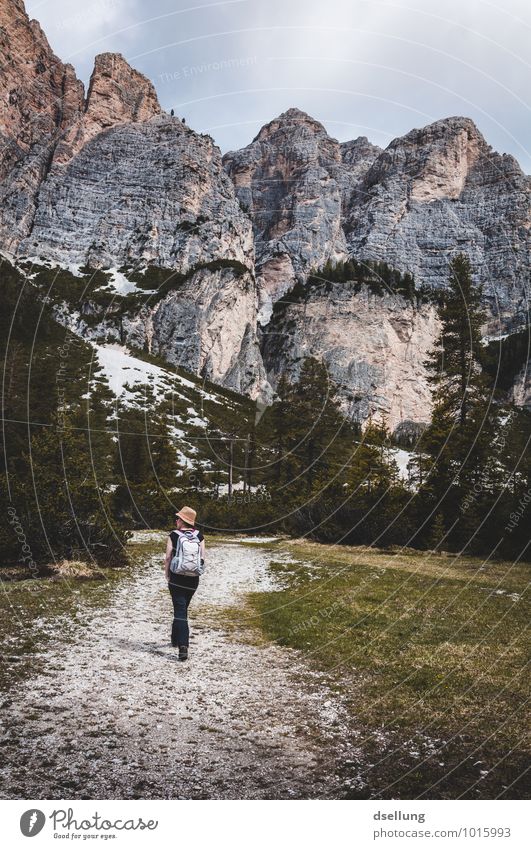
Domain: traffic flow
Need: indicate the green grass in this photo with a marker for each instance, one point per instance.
(418, 644)
(426, 634)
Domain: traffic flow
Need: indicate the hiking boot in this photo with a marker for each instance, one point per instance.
(183, 652)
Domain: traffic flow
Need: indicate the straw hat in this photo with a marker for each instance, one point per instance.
(187, 515)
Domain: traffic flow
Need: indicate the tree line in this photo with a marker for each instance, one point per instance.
(80, 470)
(469, 469)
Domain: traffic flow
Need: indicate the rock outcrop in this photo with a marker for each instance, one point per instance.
(189, 328)
(291, 181)
(39, 95)
(434, 192)
(45, 119)
(520, 392)
(374, 347)
(440, 190)
(117, 94)
(430, 194)
(148, 192)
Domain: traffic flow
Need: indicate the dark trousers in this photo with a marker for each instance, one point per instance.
(181, 597)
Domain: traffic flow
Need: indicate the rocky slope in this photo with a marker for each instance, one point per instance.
(208, 326)
(117, 95)
(138, 193)
(443, 189)
(39, 95)
(430, 194)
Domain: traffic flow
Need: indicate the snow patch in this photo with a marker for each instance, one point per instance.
(120, 283)
(121, 368)
(487, 339)
(402, 458)
(71, 267)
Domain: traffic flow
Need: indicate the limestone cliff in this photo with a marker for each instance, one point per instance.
(436, 191)
(291, 181)
(117, 94)
(110, 180)
(520, 392)
(189, 328)
(39, 95)
(374, 347)
(430, 194)
(440, 190)
(137, 193)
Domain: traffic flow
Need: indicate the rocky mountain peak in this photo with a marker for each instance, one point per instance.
(442, 189)
(444, 128)
(119, 94)
(14, 11)
(357, 157)
(112, 181)
(42, 103)
(39, 95)
(289, 180)
(291, 121)
(438, 158)
(353, 148)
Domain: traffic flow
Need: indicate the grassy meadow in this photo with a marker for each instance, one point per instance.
(430, 653)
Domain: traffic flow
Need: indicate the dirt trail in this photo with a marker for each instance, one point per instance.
(114, 714)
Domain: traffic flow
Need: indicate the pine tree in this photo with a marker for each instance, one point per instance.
(437, 531)
(455, 365)
(146, 463)
(452, 455)
(274, 430)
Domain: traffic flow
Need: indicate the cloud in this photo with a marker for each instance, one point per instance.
(78, 31)
(374, 68)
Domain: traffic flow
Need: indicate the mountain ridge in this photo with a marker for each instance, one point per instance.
(109, 180)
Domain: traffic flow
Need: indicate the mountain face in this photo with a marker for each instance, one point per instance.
(430, 194)
(40, 98)
(142, 192)
(293, 180)
(109, 181)
(443, 189)
(434, 192)
(374, 347)
(39, 95)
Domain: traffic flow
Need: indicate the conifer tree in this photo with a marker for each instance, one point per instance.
(452, 455)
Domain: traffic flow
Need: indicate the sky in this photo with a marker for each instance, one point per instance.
(361, 67)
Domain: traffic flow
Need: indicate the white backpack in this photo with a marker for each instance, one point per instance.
(187, 557)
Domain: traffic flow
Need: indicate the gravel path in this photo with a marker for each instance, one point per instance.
(113, 714)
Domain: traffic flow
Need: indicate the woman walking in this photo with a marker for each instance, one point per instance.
(184, 563)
